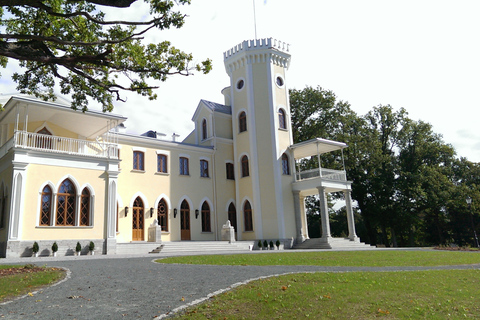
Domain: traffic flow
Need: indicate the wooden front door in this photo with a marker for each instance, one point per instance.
(185, 221)
(138, 219)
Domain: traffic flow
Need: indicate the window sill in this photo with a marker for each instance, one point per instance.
(162, 173)
(184, 175)
(207, 232)
(137, 171)
(282, 129)
(205, 177)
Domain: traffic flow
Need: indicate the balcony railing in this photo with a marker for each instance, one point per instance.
(327, 174)
(54, 144)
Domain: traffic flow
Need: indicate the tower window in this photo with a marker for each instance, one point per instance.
(138, 160)
(240, 84)
(184, 166)
(161, 163)
(282, 121)
(245, 171)
(242, 121)
(279, 81)
(247, 216)
(230, 171)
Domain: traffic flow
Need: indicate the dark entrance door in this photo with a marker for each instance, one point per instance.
(185, 221)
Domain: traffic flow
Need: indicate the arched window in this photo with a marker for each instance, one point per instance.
(242, 121)
(204, 129)
(232, 215)
(162, 215)
(245, 171)
(66, 204)
(206, 217)
(85, 208)
(285, 165)
(46, 206)
(282, 121)
(247, 216)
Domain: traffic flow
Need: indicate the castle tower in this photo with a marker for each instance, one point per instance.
(261, 136)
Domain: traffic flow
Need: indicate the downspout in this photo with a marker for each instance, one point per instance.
(214, 177)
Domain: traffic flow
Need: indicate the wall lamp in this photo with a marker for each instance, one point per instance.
(151, 212)
(196, 213)
(175, 212)
(126, 211)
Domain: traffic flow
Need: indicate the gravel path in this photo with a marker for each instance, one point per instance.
(137, 288)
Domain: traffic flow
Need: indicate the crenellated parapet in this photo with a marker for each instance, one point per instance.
(257, 51)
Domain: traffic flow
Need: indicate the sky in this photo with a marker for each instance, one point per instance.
(423, 56)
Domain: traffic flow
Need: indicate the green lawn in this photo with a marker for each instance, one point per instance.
(22, 283)
(379, 258)
(436, 294)
(351, 295)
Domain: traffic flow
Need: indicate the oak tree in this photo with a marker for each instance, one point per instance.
(72, 44)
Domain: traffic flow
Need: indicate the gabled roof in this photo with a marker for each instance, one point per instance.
(217, 107)
(315, 146)
(212, 107)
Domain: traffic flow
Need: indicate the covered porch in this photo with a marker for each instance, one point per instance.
(319, 181)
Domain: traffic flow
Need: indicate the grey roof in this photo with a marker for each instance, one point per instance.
(217, 107)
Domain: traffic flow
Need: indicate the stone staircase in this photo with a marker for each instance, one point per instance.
(334, 243)
(182, 246)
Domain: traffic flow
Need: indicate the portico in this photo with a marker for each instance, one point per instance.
(319, 181)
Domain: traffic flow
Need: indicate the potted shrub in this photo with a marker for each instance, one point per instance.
(91, 247)
(265, 245)
(278, 244)
(271, 245)
(259, 244)
(35, 249)
(78, 248)
(55, 248)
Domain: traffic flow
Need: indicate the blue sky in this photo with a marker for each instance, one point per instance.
(419, 55)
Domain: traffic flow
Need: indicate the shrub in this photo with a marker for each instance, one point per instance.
(271, 244)
(78, 248)
(278, 244)
(91, 246)
(35, 247)
(259, 244)
(265, 244)
(54, 247)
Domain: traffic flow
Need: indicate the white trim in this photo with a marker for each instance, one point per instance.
(190, 204)
(183, 155)
(92, 204)
(165, 152)
(242, 216)
(279, 75)
(231, 200)
(144, 200)
(46, 126)
(167, 199)
(141, 149)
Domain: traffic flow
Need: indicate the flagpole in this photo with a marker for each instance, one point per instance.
(254, 19)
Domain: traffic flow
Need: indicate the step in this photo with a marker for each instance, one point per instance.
(333, 243)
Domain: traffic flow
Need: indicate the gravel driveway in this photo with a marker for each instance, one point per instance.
(138, 288)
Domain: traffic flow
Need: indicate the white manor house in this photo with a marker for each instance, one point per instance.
(69, 177)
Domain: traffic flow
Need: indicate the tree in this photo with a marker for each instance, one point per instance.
(71, 43)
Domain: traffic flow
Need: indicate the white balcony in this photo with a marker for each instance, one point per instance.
(326, 174)
(55, 144)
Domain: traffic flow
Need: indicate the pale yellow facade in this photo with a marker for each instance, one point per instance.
(71, 177)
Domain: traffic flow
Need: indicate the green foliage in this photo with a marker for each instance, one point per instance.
(277, 243)
(265, 244)
(73, 45)
(54, 247)
(78, 247)
(271, 244)
(91, 246)
(35, 247)
(259, 244)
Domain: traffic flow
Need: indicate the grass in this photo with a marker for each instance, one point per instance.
(379, 258)
(16, 284)
(451, 294)
(437, 294)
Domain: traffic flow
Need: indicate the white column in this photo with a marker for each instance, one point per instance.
(350, 219)
(298, 216)
(111, 219)
(324, 214)
(16, 201)
(304, 215)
